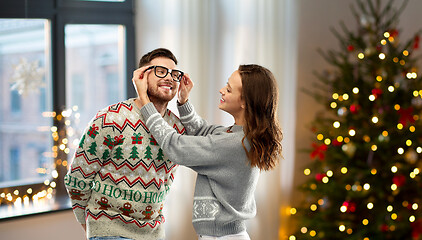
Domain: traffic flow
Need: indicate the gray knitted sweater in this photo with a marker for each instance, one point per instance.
(225, 185)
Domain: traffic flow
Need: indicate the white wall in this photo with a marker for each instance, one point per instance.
(313, 20)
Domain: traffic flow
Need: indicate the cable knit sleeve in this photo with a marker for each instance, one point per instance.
(196, 152)
(194, 124)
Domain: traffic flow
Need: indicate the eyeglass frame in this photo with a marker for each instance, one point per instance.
(168, 71)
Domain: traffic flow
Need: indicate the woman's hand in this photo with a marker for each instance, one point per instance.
(185, 87)
(140, 82)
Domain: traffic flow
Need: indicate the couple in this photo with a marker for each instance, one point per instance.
(124, 166)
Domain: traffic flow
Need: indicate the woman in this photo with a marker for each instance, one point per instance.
(227, 159)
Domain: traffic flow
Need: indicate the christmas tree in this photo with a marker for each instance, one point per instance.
(118, 154)
(160, 154)
(148, 153)
(93, 148)
(364, 178)
(134, 153)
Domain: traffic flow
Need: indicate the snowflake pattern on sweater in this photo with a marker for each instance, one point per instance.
(119, 176)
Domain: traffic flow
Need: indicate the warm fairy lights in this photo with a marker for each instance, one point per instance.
(41, 195)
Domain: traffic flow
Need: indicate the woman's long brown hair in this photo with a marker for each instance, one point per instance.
(262, 129)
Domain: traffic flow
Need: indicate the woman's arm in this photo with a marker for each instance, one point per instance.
(196, 152)
(193, 123)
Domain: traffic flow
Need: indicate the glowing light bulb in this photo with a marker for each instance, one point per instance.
(355, 90)
(345, 96)
(394, 169)
(335, 96)
(375, 119)
(366, 186)
(336, 124)
(374, 148)
(412, 218)
(393, 187)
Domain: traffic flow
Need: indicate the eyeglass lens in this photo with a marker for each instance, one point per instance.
(162, 72)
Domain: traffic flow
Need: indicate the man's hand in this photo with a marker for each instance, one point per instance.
(185, 87)
(140, 82)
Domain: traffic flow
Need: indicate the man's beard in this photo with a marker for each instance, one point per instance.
(156, 97)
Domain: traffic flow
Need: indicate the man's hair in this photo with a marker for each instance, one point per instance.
(159, 52)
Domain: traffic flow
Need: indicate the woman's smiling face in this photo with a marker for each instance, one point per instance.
(231, 95)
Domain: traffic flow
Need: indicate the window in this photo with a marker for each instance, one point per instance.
(94, 66)
(53, 53)
(14, 166)
(24, 79)
(15, 101)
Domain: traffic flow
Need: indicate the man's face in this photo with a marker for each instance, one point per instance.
(162, 89)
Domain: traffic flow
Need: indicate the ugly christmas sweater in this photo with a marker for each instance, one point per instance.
(225, 185)
(119, 176)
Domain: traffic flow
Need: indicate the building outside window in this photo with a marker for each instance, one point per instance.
(57, 68)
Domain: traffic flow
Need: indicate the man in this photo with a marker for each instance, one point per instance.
(119, 176)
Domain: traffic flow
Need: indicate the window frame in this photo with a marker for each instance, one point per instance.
(60, 13)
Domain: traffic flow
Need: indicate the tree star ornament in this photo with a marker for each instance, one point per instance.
(27, 77)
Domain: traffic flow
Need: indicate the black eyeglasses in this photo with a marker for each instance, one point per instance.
(162, 72)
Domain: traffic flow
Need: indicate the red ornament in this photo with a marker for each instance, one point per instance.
(416, 229)
(376, 92)
(399, 180)
(336, 143)
(416, 42)
(406, 115)
(350, 48)
(384, 227)
(394, 33)
(354, 108)
(350, 206)
(320, 176)
(319, 151)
